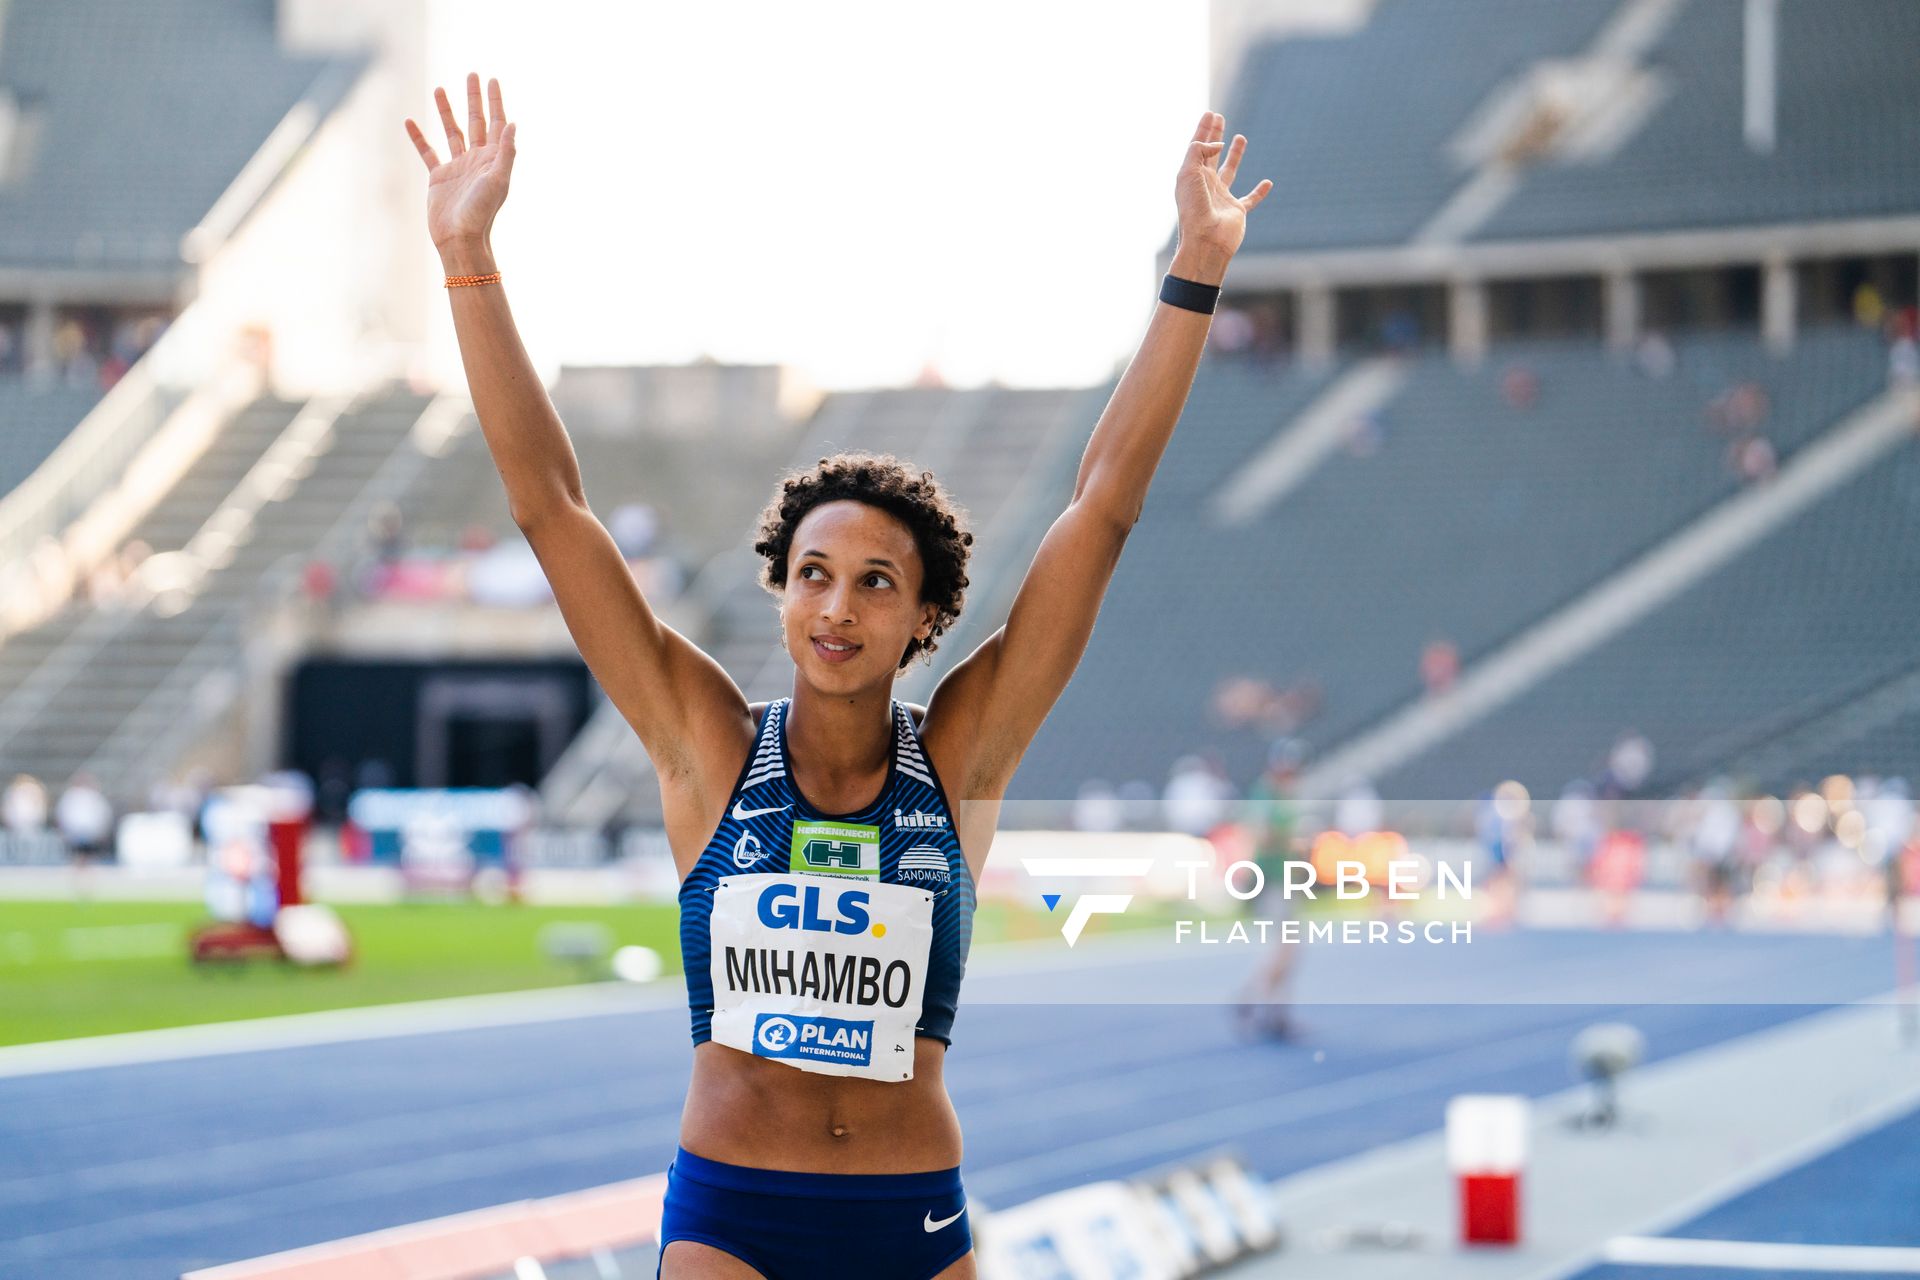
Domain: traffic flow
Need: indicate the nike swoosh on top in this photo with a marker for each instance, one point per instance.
(931, 1225)
(741, 815)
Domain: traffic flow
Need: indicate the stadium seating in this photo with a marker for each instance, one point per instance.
(1470, 519)
(111, 689)
(1802, 621)
(121, 198)
(1848, 137)
(35, 417)
(1354, 127)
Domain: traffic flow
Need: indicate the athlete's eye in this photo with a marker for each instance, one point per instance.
(810, 568)
(882, 578)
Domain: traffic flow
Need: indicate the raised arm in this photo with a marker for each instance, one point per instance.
(995, 701)
(669, 691)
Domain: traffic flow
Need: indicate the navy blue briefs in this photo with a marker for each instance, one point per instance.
(819, 1226)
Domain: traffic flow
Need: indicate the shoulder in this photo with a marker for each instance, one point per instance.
(918, 712)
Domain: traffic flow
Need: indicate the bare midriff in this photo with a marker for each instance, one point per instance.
(767, 1115)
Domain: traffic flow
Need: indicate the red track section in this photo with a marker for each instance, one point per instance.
(485, 1242)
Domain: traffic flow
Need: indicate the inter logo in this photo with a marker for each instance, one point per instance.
(918, 821)
(850, 849)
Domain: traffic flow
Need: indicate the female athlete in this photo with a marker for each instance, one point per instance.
(828, 842)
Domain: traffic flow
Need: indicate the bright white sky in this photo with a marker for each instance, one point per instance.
(855, 188)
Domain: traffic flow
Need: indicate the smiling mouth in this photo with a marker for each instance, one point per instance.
(834, 652)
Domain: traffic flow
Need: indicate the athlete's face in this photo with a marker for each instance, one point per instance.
(853, 579)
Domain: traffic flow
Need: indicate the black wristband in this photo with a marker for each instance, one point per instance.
(1190, 294)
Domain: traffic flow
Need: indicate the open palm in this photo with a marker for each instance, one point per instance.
(466, 191)
(1209, 211)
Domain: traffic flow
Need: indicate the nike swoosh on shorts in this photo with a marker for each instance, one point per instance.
(741, 815)
(933, 1226)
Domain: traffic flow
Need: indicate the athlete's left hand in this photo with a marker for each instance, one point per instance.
(1213, 221)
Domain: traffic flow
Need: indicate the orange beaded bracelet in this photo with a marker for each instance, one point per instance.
(489, 278)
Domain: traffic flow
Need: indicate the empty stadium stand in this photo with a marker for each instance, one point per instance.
(1467, 518)
(118, 691)
(1806, 620)
(35, 416)
(192, 88)
(1353, 127)
(1847, 138)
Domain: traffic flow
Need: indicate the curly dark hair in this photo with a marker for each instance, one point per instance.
(880, 480)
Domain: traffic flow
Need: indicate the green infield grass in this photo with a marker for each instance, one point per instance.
(84, 968)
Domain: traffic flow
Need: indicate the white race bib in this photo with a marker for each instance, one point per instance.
(822, 973)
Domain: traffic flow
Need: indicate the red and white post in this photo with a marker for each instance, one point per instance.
(1486, 1152)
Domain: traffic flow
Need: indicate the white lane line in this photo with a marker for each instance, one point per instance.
(334, 1026)
(453, 1013)
(1756, 1255)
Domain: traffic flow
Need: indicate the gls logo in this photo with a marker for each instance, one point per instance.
(1088, 905)
(787, 906)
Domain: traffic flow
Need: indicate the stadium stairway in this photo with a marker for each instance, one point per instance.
(120, 688)
(987, 445)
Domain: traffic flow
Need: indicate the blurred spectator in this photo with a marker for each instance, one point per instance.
(332, 789)
(24, 807)
(72, 360)
(1890, 819)
(85, 819)
(1138, 803)
(179, 796)
(1868, 307)
(1097, 808)
(387, 532)
(319, 580)
(1439, 665)
(1740, 409)
(476, 538)
(1754, 459)
(1241, 702)
(1232, 331)
(1268, 332)
(509, 576)
(1715, 848)
(1366, 435)
(1629, 764)
(1903, 362)
(1271, 817)
(1575, 821)
(635, 526)
(1400, 331)
(1271, 811)
(1653, 355)
(1502, 824)
(1520, 387)
(1196, 798)
(373, 774)
(1358, 809)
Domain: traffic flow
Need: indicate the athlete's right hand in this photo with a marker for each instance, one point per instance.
(466, 191)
